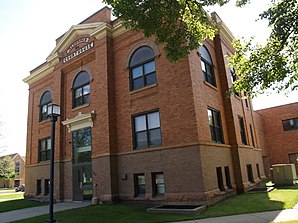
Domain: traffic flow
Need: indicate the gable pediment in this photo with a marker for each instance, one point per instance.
(76, 31)
(77, 40)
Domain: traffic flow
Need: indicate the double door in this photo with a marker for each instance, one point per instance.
(82, 182)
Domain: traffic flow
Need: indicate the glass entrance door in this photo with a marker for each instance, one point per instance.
(82, 182)
(82, 168)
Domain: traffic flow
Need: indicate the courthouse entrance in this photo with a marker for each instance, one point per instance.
(82, 182)
(82, 165)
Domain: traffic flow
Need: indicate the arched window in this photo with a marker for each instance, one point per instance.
(81, 89)
(45, 101)
(207, 65)
(142, 68)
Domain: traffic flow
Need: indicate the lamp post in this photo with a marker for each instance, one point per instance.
(53, 113)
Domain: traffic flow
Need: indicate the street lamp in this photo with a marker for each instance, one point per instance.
(53, 113)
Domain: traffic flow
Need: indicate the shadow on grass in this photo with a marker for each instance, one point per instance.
(277, 199)
(18, 204)
(242, 204)
(114, 213)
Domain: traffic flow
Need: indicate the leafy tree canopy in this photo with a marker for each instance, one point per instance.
(274, 65)
(182, 25)
(7, 167)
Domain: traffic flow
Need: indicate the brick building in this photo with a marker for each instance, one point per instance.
(19, 177)
(281, 135)
(135, 126)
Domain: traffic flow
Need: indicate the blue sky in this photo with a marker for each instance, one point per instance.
(28, 32)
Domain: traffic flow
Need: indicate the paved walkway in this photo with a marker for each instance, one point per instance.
(10, 216)
(261, 217)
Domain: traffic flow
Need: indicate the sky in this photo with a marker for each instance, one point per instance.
(28, 32)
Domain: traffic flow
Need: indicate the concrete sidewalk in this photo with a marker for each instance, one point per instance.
(10, 216)
(261, 217)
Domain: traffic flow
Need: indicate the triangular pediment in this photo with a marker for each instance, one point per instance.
(78, 39)
(71, 35)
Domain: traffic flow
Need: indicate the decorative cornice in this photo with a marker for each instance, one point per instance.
(97, 30)
(54, 59)
(224, 31)
(40, 73)
(74, 31)
(118, 29)
(102, 31)
(80, 121)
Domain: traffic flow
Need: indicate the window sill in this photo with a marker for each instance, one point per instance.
(158, 197)
(143, 89)
(140, 197)
(220, 143)
(150, 147)
(44, 121)
(43, 161)
(238, 97)
(81, 106)
(210, 85)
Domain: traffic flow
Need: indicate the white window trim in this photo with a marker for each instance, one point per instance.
(80, 121)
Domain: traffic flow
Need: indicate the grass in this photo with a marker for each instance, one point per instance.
(295, 221)
(10, 194)
(10, 200)
(114, 213)
(277, 199)
(5, 189)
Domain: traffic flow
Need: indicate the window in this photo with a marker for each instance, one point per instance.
(207, 65)
(246, 100)
(242, 130)
(234, 78)
(81, 89)
(252, 135)
(81, 142)
(38, 187)
(17, 168)
(290, 124)
(139, 185)
(44, 149)
(219, 179)
(250, 175)
(228, 177)
(147, 131)
(158, 184)
(215, 126)
(45, 101)
(293, 158)
(142, 68)
(46, 187)
(258, 171)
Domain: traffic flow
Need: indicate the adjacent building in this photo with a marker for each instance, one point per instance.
(19, 177)
(135, 126)
(281, 135)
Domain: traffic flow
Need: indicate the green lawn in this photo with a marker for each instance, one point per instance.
(7, 195)
(246, 203)
(295, 221)
(278, 199)
(11, 200)
(115, 213)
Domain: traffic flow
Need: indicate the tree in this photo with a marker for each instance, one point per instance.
(274, 65)
(2, 146)
(7, 167)
(182, 25)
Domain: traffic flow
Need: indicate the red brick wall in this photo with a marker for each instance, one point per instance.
(279, 143)
(182, 97)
